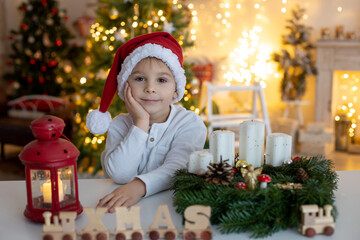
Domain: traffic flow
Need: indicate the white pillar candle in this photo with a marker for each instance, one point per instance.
(198, 161)
(251, 142)
(222, 143)
(47, 193)
(278, 148)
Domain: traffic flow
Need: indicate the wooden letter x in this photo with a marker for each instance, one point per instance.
(95, 216)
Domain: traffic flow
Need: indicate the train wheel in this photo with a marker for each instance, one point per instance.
(48, 237)
(189, 236)
(120, 236)
(67, 237)
(169, 235)
(86, 236)
(205, 235)
(136, 236)
(310, 232)
(154, 235)
(328, 231)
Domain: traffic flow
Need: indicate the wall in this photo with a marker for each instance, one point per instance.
(210, 32)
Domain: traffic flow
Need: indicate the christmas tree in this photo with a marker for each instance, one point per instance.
(295, 58)
(117, 22)
(42, 59)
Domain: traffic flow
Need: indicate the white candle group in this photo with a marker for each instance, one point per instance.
(278, 148)
(251, 142)
(198, 161)
(222, 143)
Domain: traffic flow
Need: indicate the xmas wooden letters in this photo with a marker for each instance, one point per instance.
(128, 226)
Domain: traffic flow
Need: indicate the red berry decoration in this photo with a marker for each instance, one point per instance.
(44, 3)
(41, 80)
(233, 170)
(53, 11)
(32, 61)
(241, 186)
(296, 159)
(43, 68)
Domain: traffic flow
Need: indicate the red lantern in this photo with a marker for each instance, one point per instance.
(50, 170)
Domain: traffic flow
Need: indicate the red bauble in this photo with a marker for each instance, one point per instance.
(241, 186)
(24, 26)
(53, 11)
(29, 80)
(41, 80)
(66, 17)
(10, 62)
(43, 68)
(23, 8)
(32, 61)
(52, 63)
(58, 43)
(44, 3)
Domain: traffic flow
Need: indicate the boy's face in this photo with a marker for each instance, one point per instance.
(153, 86)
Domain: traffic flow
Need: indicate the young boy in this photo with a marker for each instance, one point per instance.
(145, 147)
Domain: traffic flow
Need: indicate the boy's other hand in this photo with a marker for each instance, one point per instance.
(126, 195)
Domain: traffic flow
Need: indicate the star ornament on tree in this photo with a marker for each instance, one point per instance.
(169, 27)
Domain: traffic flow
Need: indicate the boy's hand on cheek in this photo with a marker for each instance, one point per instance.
(126, 195)
(140, 116)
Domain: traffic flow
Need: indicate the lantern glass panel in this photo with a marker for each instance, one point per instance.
(67, 191)
(41, 188)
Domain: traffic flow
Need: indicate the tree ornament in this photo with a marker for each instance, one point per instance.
(24, 26)
(219, 173)
(301, 175)
(113, 13)
(169, 27)
(31, 39)
(250, 175)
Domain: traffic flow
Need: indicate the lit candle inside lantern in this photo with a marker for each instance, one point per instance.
(278, 148)
(46, 189)
(198, 161)
(251, 142)
(222, 143)
(47, 193)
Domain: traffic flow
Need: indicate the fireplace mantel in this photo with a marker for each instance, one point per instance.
(331, 56)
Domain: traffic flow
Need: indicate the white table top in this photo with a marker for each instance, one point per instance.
(14, 226)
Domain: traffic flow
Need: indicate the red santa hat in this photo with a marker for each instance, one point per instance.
(160, 45)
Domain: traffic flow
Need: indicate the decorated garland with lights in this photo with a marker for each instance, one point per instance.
(262, 211)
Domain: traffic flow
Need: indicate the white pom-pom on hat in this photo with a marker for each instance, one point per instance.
(98, 122)
(160, 45)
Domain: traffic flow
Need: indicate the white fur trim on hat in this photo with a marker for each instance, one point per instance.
(159, 52)
(98, 122)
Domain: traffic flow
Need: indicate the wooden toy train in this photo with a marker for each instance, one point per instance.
(313, 220)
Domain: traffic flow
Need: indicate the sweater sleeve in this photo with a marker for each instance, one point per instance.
(190, 137)
(121, 143)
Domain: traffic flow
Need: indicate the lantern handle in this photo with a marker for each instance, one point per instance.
(62, 134)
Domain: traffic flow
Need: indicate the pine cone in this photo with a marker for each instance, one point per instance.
(301, 175)
(219, 173)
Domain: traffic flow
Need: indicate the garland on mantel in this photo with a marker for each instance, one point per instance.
(260, 211)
